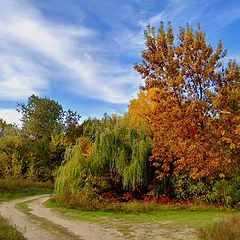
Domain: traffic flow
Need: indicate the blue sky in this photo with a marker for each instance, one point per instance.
(81, 52)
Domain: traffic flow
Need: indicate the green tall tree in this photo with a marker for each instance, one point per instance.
(41, 116)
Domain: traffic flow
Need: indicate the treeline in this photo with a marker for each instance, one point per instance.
(37, 149)
(178, 140)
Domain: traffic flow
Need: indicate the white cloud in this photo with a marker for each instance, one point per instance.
(30, 45)
(36, 53)
(19, 78)
(10, 116)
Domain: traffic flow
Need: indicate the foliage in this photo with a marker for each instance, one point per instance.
(74, 170)
(41, 117)
(224, 230)
(37, 149)
(72, 129)
(121, 149)
(90, 127)
(225, 191)
(13, 185)
(193, 104)
(45, 156)
(86, 199)
(3, 125)
(8, 231)
(117, 159)
(12, 149)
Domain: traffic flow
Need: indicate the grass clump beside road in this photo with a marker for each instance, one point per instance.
(228, 229)
(8, 231)
(11, 188)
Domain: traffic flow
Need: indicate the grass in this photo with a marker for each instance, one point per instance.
(228, 229)
(12, 189)
(165, 217)
(8, 231)
(44, 223)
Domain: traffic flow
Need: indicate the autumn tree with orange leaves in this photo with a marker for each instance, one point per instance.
(194, 104)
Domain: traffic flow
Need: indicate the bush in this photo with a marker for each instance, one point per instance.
(85, 199)
(224, 230)
(8, 231)
(225, 191)
(190, 189)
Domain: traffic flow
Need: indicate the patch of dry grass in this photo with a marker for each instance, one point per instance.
(8, 231)
(224, 230)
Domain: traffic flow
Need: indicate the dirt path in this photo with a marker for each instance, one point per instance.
(84, 230)
(32, 229)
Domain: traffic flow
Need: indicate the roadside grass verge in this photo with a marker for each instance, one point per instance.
(8, 231)
(12, 189)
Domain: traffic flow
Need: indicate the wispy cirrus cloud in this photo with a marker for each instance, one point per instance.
(90, 57)
(214, 14)
(33, 49)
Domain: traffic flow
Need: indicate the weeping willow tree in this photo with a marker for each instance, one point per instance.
(74, 170)
(118, 150)
(121, 150)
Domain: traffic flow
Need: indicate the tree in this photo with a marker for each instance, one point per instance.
(190, 90)
(3, 125)
(48, 130)
(113, 152)
(41, 117)
(12, 152)
(72, 129)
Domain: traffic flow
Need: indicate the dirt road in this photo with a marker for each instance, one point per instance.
(33, 229)
(30, 229)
